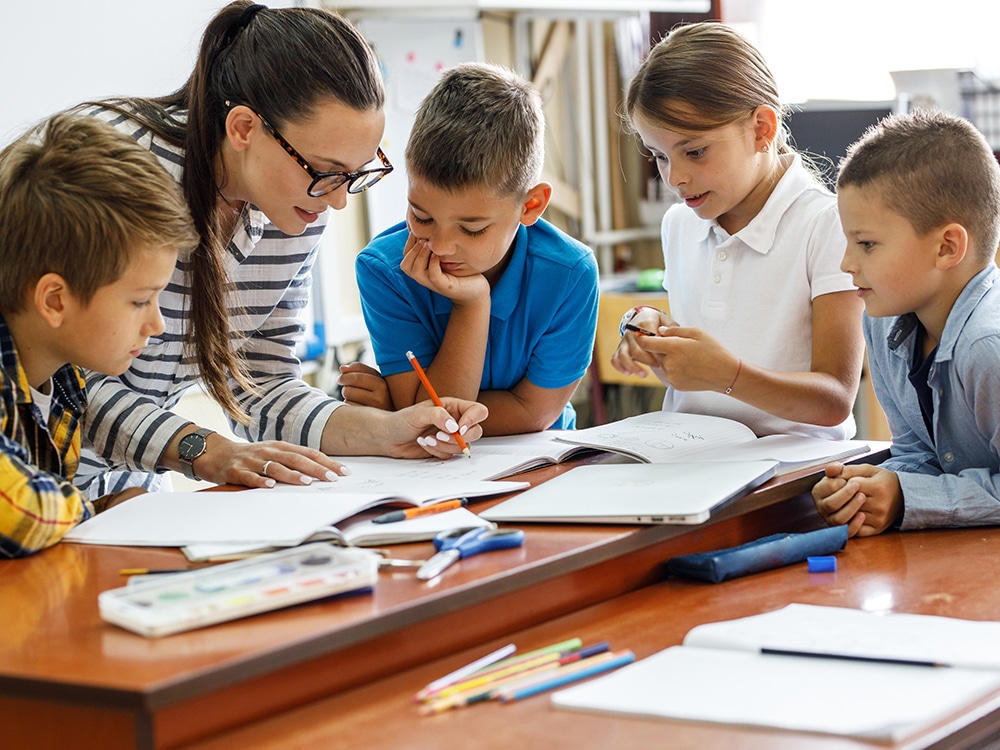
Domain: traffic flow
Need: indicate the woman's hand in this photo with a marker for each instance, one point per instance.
(264, 464)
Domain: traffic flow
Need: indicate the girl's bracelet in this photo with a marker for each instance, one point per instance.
(739, 369)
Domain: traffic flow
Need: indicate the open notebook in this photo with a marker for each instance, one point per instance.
(667, 437)
(634, 493)
(279, 517)
(723, 674)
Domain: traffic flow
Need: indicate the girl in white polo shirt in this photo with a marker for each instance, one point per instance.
(765, 327)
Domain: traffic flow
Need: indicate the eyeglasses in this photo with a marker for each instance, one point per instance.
(327, 182)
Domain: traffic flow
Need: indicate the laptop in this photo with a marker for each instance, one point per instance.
(684, 493)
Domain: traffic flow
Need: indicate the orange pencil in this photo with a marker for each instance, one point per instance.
(434, 397)
(424, 510)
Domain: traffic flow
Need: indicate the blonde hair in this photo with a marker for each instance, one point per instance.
(78, 198)
(481, 125)
(711, 69)
(932, 168)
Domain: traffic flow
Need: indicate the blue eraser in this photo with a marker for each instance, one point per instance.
(822, 564)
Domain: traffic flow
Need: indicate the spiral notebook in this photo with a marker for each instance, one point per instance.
(685, 493)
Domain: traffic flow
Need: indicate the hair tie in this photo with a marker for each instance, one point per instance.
(249, 12)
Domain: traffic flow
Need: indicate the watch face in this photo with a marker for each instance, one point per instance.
(191, 446)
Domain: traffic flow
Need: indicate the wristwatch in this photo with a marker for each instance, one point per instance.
(190, 447)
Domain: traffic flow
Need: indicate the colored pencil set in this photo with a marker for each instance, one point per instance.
(503, 677)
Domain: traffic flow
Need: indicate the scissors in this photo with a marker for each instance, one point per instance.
(462, 542)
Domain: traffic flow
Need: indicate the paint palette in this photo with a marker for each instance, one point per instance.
(184, 601)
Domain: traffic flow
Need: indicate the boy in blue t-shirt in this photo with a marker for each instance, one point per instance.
(497, 304)
(919, 199)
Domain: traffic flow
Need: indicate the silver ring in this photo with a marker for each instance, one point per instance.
(264, 468)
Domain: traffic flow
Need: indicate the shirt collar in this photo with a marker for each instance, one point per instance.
(961, 311)
(759, 234)
(963, 308)
(67, 384)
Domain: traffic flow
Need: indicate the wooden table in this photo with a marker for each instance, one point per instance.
(940, 572)
(70, 680)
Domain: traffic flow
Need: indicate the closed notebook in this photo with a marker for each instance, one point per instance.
(634, 493)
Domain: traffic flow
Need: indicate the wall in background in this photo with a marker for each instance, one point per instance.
(59, 52)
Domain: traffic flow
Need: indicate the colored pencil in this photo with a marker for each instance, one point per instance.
(489, 676)
(152, 571)
(434, 397)
(564, 675)
(429, 692)
(489, 690)
(465, 671)
(567, 645)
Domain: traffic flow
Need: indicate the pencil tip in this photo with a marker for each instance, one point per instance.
(467, 452)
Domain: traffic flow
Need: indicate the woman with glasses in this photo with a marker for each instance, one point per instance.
(265, 79)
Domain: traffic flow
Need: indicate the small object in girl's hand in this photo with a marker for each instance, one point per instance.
(637, 329)
(822, 564)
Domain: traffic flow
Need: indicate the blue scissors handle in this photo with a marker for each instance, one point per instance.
(464, 542)
(452, 538)
(489, 539)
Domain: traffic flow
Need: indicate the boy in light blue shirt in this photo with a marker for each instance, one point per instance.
(919, 199)
(498, 305)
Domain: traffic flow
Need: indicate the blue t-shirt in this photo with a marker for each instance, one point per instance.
(543, 311)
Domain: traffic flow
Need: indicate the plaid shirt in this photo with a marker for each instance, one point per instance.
(38, 503)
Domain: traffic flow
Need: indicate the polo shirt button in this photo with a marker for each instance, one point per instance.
(717, 278)
(948, 457)
(722, 255)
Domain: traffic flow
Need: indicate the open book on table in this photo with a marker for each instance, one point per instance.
(357, 531)
(809, 668)
(493, 458)
(280, 517)
(669, 437)
(514, 454)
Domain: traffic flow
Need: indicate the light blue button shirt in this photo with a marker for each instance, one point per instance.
(950, 478)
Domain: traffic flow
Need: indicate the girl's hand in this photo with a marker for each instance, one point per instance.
(630, 358)
(691, 359)
(423, 266)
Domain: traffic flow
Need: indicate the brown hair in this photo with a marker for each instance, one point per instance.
(281, 62)
(78, 198)
(932, 168)
(481, 125)
(713, 70)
